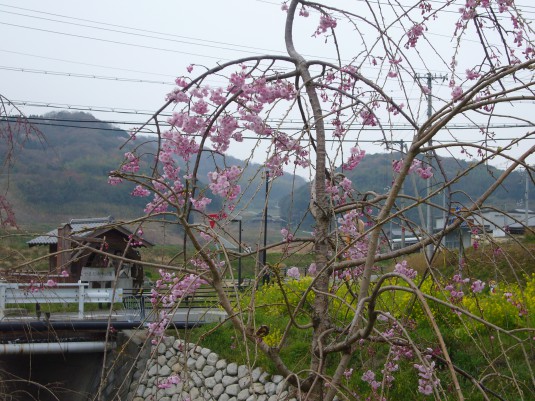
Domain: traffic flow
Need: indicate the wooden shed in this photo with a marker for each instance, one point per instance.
(79, 247)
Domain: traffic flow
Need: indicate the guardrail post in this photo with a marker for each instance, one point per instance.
(81, 299)
(2, 300)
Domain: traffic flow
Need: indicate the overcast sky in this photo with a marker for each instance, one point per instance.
(134, 48)
(122, 56)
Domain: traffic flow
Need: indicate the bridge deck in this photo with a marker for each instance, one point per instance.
(200, 315)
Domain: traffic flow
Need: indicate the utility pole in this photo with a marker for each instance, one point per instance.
(526, 199)
(265, 277)
(429, 228)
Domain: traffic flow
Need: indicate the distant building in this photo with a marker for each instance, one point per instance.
(520, 228)
(491, 223)
(77, 245)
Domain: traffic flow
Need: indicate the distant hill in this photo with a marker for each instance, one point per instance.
(374, 173)
(66, 175)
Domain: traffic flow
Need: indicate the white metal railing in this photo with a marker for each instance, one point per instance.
(80, 293)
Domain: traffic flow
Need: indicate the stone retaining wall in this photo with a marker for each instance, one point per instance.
(179, 371)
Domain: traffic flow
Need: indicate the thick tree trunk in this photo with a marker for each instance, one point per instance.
(320, 210)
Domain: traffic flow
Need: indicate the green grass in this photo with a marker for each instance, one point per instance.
(478, 352)
(164, 254)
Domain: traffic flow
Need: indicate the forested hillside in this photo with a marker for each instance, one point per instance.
(65, 175)
(375, 173)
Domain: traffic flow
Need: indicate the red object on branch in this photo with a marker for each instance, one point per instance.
(216, 216)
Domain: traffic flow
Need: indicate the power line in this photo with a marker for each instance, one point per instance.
(248, 48)
(144, 35)
(461, 4)
(127, 33)
(112, 41)
(52, 121)
(78, 75)
(71, 107)
(138, 29)
(104, 109)
(86, 64)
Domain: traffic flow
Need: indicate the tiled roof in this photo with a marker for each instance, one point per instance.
(531, 223)
(82, 227)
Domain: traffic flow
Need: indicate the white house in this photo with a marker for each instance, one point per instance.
(495, 223)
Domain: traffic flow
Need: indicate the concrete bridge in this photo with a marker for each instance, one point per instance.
(70, 355)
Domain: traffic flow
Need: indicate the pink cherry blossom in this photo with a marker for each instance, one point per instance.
(293, 272)
(140, 191)
(326, 22)
(477, 286)
(287, 235)
(368, 376)
(201, 203)
(355, 158)
(457, 93)
(312, 269)
(368, 118)
(403, 268)
(471, 74)
(114, 180)
(414, 34)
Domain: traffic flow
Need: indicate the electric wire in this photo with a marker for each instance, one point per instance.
(52, 121)
(78, 75)
(140, 29)
(86, 64)
(118, 42)
(236, 47)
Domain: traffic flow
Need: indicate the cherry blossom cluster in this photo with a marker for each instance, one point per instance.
(200, 203)
(477, 286)
(326, 22)
(131, 163)
(170, 289)
(176, 143)
(369, 377)
(368, 117)
(312, 269)
(355, 158)
(348, 223)
(135, 241)
(348, 227)
(224, 183)
(413, 34)
(287, 235)
(427, 379)
(455, 288)
(157, 328)
(522, 311)
(404, 269)
(140, 191)
(284, 149)
(416, 167)
(339, 192)
(293, 272)
(112, 180)
(168, 382)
